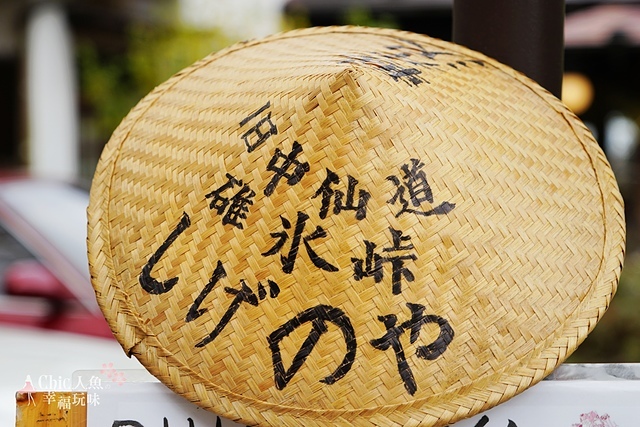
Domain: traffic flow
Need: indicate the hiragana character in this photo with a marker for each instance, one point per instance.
(244, 294)
(391, 339)
(148, 283)
(317, 316)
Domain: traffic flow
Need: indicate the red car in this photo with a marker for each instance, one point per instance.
(44, 274)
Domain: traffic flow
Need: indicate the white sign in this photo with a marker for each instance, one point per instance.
(572, 403)
(149, 404)
(610, 397)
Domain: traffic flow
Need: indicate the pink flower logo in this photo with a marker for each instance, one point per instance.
(592, 419)
(112, 374)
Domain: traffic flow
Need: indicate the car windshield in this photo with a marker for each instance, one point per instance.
(49, 218)
(57, 212)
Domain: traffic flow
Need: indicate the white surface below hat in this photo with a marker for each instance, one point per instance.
(49, 359)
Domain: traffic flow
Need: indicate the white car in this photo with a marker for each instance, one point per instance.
(50, 323)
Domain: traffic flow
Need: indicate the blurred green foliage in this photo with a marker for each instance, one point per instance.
(295, 19)
(616, 338)
(360, 16)
(366, 18)
(112, 84)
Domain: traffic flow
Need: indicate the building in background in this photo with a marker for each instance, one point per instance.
(40, 103)
(65, 65)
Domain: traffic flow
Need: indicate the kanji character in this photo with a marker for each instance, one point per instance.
(281, 164)
(341, 203)
(372, 265)
(49, 397)
(93, 399)
(282, 237)
(318, 316)
(410, 49)
(409, 75)
(95, 383)
(261, 130)
(79, 384)
(391, 339)
(235, 208)
(64, 402)
(79, 399)
(416, 184)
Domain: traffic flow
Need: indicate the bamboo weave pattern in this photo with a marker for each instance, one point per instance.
(352, 226)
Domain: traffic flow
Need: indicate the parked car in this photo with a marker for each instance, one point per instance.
(44, 274)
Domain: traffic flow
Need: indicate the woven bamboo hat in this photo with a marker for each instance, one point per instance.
(352, 226)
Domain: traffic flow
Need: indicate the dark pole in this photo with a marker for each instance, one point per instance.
(527, 35)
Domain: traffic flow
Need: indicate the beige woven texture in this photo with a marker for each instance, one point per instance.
(490, 243)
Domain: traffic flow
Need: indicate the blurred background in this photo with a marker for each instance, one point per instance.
(70, 70)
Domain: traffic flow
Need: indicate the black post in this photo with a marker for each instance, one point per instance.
(527, 35)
